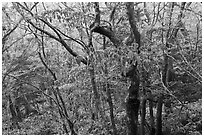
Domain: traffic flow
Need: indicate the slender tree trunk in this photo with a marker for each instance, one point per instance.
(61, 106)
(14, 115)
(152, 123)
(95, 92)
(159, 116)
(108, 92)
(98, 112)
(143, 109)
(71, 125)
(145, 83)
(60, 111)
(110, 103)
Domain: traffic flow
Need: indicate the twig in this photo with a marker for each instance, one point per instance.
(168, 91)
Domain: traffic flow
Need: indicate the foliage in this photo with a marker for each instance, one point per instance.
(44, 40)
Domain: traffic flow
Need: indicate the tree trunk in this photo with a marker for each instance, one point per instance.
(143, 109)
(95, 92)
(159, 116)
(152, 124)
(132, 100)
(14, 116)
(90, 52)
(132, 108)
(145, 83)
(110, 103)
(108, 92)
(61, 107)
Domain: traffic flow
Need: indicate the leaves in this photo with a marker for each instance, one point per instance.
(61, 31)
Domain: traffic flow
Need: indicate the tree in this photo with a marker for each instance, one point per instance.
(66, 60)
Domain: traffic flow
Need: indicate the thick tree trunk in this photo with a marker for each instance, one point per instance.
(132, 108)
(132, 100)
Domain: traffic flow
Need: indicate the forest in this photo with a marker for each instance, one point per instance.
(101, 68)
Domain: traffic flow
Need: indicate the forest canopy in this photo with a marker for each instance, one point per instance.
(102, 68)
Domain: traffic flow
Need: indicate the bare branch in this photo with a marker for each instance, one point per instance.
(6, 48)
(169, 92)
(185, 60)
(51, 72)
(4, 38)
(59, 40)
(199, 79)
(25, 82)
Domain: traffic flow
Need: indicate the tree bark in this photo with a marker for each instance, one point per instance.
(92, 74)
(95, 91)
(108, 92)
(159, 116)
(143, 110)
(132, 100)
(132, 21)
(14, 115)
(152, 124)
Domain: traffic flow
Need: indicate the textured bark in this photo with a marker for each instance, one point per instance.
(132, 108)
(132, 100)
(108, 33)
(159, 116)
(105, 31)
(95, 92)
(132, 21)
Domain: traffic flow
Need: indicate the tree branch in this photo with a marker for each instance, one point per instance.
(60, 40)
(4, 38)
(106, 31)
(131, 18)
(51, 72)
